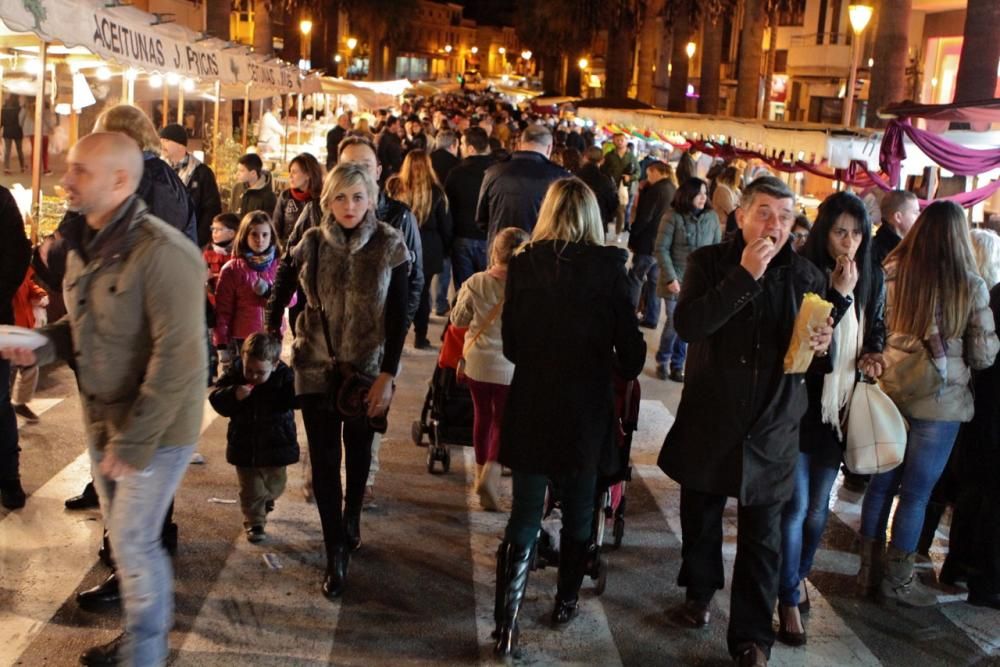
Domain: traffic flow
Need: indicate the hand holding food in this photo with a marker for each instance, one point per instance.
(811, 333)
(757, 255)
(845, 275)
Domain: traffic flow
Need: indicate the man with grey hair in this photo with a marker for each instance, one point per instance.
(737, 309)
(512, 191)
(137, 342)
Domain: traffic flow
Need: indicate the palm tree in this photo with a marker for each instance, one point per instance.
(650, 27)
(622, 21)
(977, 68)
(711, 63)
(381, 24)
(748, 73)
(554, 28)
(892, 32)
(684, 13)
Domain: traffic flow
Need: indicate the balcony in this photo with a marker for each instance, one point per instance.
(826, 55)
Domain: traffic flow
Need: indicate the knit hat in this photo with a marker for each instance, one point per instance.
(176, 133)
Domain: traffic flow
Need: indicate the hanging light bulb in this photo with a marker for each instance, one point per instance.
(103, 73)
(188, 85)
(155, 81)
(172, 79)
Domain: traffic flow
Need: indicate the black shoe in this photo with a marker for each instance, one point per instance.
(692, 614)
(256, 534)
(661, 372)
(11, 494)
(85, 501)
(105, 654)
(855, 483)
(101, 597)
(514, 565)
(268, 506)
(786, 636)
(751, 656)
(677, 374)
(168, 538)
(352, 530)
(422, 344)
(26, 413)
(572, 566)
(336, 572)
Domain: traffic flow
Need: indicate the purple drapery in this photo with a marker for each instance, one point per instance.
(954, 157)
(963, 199)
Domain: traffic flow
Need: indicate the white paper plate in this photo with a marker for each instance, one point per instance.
(11, 336)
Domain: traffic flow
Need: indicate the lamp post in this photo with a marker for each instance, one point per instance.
(860, 15)
(305, 27)
(447, 60)
(690, 49)
(351, 43)
(583, 63)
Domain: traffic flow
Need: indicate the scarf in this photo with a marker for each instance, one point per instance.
(838, 385)
(185, 168)
(262, 261)
(300, 195)
(226, 249)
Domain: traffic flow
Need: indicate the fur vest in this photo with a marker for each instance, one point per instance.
(349, 283)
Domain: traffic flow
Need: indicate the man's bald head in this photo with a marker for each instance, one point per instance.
(103, 170)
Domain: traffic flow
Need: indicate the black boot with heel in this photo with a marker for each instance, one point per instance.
(572, 566)
(513, 566)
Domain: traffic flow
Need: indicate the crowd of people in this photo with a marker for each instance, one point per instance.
(504, 218)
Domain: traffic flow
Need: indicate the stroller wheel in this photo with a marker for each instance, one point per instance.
(417, 433)
(601, 572)
(618, 532)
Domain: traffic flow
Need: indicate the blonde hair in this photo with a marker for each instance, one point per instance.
(132, 122)
(986, 248)
(343, 176)
(506, 243)
(417, 183)
(569, 213)
(933, 263)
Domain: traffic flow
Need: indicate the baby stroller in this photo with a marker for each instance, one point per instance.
(447, 416)
(610, 498)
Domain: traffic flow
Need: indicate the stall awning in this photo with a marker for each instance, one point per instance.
(133, 38)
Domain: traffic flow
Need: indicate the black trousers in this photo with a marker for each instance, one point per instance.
(755, 572)
(327, 432)
(422, 318)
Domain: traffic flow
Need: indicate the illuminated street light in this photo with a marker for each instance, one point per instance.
(447, 48)
(306, 26)
(860, 15)
(351, 43)
(690, 49)
(526, 54)
(337, 58)
(501, 50)
(583, 63)
(474, 50)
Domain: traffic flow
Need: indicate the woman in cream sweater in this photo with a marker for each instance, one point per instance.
(478, 306)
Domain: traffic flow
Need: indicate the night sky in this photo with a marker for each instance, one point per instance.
(491, 12)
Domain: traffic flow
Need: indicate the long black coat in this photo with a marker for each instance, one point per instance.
(15, 254)
(512, 192)
(654, 202)
(737, 427)
(436, 235)
(462, 187)
(261, 429)
(567, 321)
(604, 189)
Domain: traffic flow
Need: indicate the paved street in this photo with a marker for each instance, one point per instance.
(420, 589)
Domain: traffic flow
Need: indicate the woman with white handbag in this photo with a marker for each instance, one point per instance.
(840, 245)
(939, 324)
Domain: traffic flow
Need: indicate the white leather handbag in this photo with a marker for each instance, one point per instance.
(876, 431)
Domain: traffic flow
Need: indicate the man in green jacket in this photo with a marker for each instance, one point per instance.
(136, 336)
(620, 164)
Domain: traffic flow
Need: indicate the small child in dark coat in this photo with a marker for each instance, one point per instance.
(257, 394)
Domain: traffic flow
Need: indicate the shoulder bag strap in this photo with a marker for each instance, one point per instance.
(489, 320)
(319, 300)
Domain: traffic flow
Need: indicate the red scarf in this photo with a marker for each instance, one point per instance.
(300, 195)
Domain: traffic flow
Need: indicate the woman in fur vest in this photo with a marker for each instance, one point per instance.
(353, 271)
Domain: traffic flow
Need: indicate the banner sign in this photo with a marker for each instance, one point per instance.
(130, 38)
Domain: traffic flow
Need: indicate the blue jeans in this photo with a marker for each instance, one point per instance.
(928, 447)
(643, 275)
(134, 508)
(9, 457)
(468, 256)
(576, 493)
(803, 521)
(672, 350)
(441, 304)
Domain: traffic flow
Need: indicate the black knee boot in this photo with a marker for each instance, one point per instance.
(572, 566)
(336, 571)
(352, 528)
(513, 565)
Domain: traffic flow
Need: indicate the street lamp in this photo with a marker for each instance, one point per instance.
(351, 43)
(583, 63)
(306, 26)
(860, 15)
(501, 50)
(689, 49)
(474, 50)
(447, 48)
(526, 54)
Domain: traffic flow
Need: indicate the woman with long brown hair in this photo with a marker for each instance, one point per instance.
(939, 324)
(419, 189)
(305, 182)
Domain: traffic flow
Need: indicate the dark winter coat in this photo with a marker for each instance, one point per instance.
(603, 188)
(15, 254)
(462, 187)
(10, 118)
(259, 198)
(512, 192)
(654, 203)
(567, 322)
(884, 242)
(679, 235)
(817, 439)
(443, 162)
(166, 197)
(333, 139)
(436, 235)
(389, 153)
(261, 432)
(205, 197)
(286, 213)
(737, 427)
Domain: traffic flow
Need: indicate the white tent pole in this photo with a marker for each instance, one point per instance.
(36, 147)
